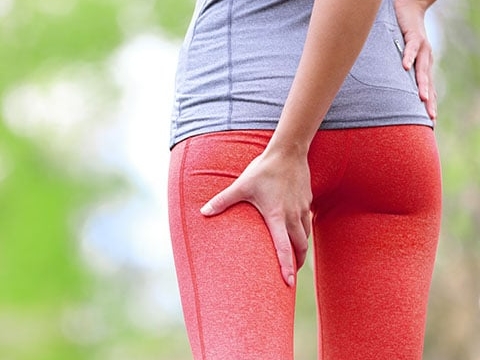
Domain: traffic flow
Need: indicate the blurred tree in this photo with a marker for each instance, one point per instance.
(51, 306)
(43, 284)
(41, 276)
(453, 330)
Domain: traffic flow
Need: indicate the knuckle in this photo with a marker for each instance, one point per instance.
(285, 257)
(275, 217)
(302, 249)
(306, 212)
(413, 45)
(242, 189)
(283, 248)
(293, 219)
(219, 199)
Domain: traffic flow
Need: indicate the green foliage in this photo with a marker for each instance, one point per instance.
(43, 281)
(32, 38)
(36, 249)
(174, 15)
(454, 324)
(46, 292)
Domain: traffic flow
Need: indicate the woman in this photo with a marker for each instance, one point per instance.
(293, 115)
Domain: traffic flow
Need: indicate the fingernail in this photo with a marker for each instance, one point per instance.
(291, 281)
(207, 209)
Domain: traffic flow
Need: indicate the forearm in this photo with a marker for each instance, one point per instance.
(337, 32)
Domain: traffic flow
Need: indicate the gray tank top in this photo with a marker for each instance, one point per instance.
(239, 58)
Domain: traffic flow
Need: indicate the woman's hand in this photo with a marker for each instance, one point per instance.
(418, 51)
(278, 185)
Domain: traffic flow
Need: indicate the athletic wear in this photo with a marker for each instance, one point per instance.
(239, 58)
(376, 190)
(376, 210)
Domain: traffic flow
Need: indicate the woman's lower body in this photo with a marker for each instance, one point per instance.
(376, 218)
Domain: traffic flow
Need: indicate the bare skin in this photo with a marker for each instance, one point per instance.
(277, 182)
(418, 51)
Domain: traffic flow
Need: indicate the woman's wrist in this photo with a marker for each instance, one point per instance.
(287, 148)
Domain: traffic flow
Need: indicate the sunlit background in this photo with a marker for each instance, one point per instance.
(86, 269)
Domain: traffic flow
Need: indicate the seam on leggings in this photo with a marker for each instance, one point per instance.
(188, 249)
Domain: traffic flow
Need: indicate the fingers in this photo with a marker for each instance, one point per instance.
(291, 242)
(284, 249)
(307, 223)
(290, 239)
(299, 239)
(287, 217)
(423, 65)
(419, 52)
(220, 202)
(301, 245)
(410, 53)
(424, 71)
(431, 104)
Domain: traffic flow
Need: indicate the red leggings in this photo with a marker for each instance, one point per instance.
(376, 217)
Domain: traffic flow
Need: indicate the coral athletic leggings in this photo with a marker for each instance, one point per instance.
(376, 217)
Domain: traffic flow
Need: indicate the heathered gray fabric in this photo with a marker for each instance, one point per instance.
(239, 58)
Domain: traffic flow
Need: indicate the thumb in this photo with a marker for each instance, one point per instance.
(220, 202)
(410, 52)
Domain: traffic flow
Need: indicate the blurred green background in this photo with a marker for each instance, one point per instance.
(85, 262)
